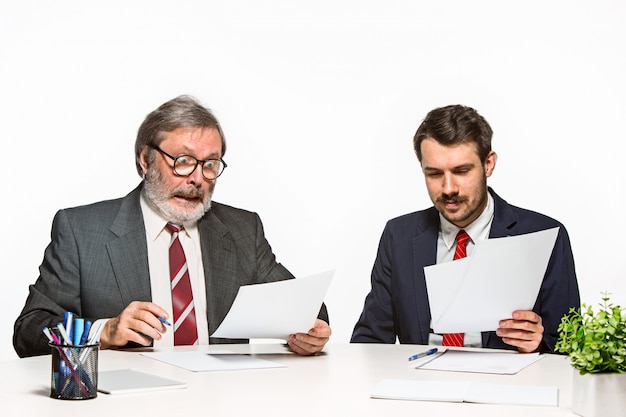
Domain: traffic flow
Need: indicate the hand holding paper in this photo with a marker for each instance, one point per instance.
(311, 342)
(523, 331)
(501, 276)
(277, 310)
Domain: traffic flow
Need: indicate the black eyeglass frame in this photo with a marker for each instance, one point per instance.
(198, 162)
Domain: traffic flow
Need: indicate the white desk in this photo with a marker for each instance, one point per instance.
(336, 383)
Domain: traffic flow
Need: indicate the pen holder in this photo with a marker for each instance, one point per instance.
(74, 371)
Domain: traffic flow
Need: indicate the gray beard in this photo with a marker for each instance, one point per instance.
(159, 200)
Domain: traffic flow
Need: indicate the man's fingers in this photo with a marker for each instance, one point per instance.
(302, 347)
(139, 323)
(524, 330)
(307, 345)
(527, 315)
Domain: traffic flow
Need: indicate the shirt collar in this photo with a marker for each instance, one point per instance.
(477, 230)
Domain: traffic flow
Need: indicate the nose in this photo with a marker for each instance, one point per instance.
(196, 177)
(449, 185)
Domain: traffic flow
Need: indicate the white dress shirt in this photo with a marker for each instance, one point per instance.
(158, 239)
(446, 246)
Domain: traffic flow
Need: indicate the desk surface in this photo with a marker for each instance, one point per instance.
(338, 382)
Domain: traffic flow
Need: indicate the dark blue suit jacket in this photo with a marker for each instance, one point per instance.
(397, 305)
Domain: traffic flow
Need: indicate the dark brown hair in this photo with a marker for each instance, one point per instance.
(452, 125)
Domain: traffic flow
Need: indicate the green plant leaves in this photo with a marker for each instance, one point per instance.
(595, 342)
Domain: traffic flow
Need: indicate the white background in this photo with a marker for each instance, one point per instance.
(319, 102)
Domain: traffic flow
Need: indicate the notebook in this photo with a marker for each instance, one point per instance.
(127, 381)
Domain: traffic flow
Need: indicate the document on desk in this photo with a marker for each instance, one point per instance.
(130, 381)
(466, 391)
(502, 275)
(275, 310)
(484, 361)
(212, 361)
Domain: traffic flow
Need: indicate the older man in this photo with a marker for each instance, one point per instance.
(113, 261)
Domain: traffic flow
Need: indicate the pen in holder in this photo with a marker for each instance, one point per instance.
(74, 371)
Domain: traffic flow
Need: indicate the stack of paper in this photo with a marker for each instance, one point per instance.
(212, 361)
(485, 362)
(501, 275)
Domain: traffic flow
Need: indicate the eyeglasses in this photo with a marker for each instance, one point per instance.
(185, 165)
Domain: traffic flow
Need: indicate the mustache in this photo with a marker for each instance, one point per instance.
(451, 198)
(188, 193)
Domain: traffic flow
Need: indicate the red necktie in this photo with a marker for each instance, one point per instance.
(185, 332)
(456, 339)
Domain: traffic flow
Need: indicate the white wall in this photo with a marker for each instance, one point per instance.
(319, 102)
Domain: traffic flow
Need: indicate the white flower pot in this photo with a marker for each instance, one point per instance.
(599, 395)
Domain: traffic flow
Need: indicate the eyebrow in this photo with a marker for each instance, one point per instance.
(462, 166)
(187, 151)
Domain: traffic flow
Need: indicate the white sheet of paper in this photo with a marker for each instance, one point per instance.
(276, 309)
(212, 361)
(466, 391)
(503, 363)
(502, 275)
(129, 381)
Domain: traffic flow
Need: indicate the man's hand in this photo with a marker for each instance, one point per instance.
(524, 331)
(138, 320)
(312, 342)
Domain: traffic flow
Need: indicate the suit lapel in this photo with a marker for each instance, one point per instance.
(504, 219)
(128, 253)
(424, 254)
(220, 267)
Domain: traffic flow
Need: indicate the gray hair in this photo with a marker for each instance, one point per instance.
(180, 112)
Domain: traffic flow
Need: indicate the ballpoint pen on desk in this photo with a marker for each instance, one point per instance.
(423, 354)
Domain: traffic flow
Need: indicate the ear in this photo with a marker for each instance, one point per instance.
(143, 159)
(490, 163)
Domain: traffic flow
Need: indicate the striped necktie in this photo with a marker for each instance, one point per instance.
(185, 331)
(456, 339)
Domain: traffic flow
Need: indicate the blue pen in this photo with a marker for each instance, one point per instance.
(79, 328)
(162, 320)
(423, 354)
(86, 330)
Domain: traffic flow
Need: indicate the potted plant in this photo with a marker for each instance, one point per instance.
(595, 342)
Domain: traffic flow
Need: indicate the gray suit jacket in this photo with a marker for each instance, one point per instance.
(97, 263)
